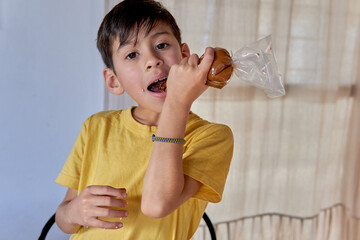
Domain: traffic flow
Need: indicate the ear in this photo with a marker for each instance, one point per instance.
(185, 50)
(112, 83)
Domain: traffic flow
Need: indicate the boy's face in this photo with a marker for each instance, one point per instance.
(138, 65)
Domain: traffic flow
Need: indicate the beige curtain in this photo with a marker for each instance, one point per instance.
(295, 171)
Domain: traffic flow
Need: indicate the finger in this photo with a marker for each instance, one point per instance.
(208, 59)
(107, 191)
(193, 60)
(110, 213)
(183, 61)
(108, 201)
(94, 222)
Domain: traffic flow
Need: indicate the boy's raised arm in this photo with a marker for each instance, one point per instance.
(165, 186)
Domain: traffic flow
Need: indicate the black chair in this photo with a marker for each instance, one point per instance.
(51, 222)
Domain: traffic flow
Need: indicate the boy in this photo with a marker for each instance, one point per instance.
(146, 172)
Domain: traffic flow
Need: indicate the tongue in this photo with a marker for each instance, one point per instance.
(160, 86)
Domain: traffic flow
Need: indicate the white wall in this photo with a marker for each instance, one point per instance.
(50, 81)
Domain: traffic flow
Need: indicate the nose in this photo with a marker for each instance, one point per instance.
(153, 61)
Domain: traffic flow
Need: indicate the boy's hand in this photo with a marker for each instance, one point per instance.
(94, 202)
(186, 80)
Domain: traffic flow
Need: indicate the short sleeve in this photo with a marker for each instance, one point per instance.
(207, 159)
(70, 173)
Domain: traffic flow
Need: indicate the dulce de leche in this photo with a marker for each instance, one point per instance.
(221, 69)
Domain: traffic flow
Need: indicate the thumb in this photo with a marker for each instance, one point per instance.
(207, 59)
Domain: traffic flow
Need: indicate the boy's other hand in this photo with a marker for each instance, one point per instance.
(186, 81)
(94, 202)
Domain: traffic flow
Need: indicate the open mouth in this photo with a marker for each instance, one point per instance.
(158, 86)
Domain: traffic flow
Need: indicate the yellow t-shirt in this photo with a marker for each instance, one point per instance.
(113, 149)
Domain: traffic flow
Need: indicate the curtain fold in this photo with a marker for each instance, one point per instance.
(295, 171)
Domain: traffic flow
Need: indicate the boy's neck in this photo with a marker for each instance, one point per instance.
(145, 117)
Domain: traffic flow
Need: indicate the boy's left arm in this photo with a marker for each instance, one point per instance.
(165, 186)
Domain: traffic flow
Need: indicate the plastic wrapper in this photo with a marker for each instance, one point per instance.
(254, 64)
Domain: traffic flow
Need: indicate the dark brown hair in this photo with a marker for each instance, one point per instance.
(129, 16)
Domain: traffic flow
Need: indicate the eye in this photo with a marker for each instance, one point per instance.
(132, 55)
(161, 46)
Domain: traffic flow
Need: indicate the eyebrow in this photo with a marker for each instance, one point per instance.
(159, 34)
(132, 41)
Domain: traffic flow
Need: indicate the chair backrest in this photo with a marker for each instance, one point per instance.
(47, 227)
(210, 226)
(51, 222)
